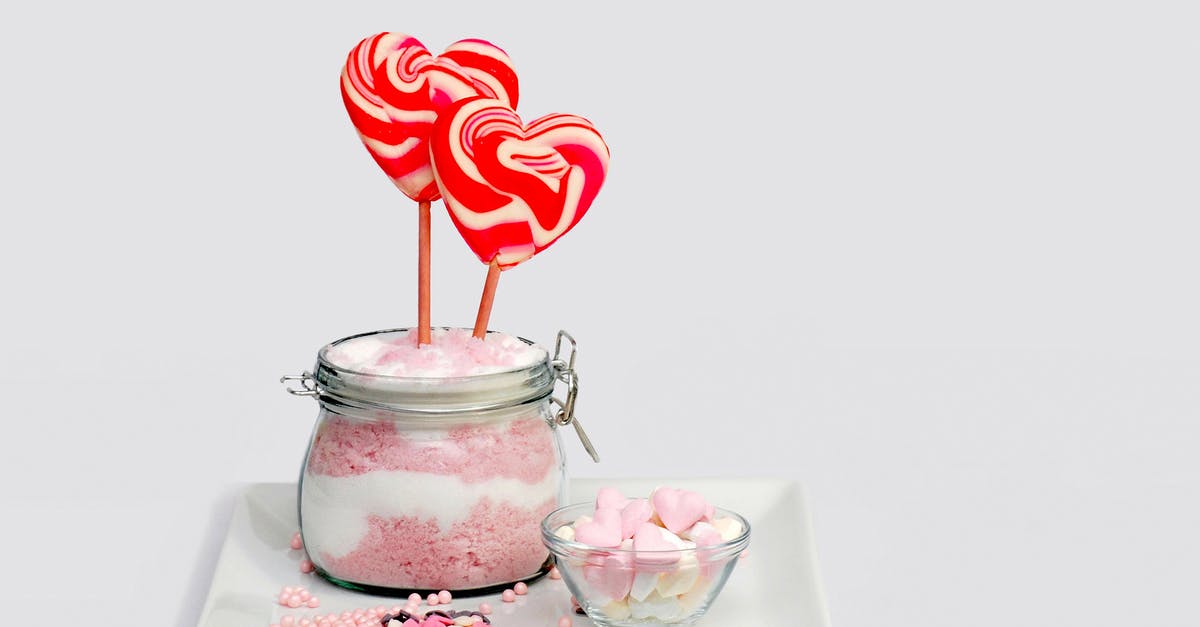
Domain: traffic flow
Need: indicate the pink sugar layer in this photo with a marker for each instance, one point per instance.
(451, 353)
(520, 449)
(496, 543)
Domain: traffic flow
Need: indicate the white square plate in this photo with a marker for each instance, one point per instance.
(776, 583)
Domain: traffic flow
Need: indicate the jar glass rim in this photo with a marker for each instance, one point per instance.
(323, 359)
(491, 390)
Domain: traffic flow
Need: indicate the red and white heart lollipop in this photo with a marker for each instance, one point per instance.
(394, 88)
(512, 188)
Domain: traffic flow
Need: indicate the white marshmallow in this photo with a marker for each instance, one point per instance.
(566, 532)
(692, 599)
(656, 606)
(675, 540)
(681, 579)
(729, 528)
(643, 584)
(616, 610)
(699, 530)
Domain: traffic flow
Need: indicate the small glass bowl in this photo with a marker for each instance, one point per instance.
(676, 586)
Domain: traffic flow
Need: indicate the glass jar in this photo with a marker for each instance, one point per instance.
(424, 484)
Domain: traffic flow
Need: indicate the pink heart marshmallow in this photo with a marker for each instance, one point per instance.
(678, 509)
(603, 530)
(610, 497)
(636, 512)
(611, 579)
(649, 541)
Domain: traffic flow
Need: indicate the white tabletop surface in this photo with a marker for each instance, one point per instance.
(937, 261)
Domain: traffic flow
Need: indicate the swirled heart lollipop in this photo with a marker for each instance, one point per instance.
(513, 189)
(393, 89)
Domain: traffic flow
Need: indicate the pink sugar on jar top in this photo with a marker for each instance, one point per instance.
(451, 353)
(397, 498)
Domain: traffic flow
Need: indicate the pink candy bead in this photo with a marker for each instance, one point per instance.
(508, 596)
(306, 566)
(414, 598)
(444, 597)
(297, 542)
(554, 574)
(564, 621)
(304, 595)
(433, 599)
(294, 601)
(287, 621)
(313, 602)
(485, 608)
(521, 588)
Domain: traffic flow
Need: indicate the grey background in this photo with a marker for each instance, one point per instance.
(936, 260)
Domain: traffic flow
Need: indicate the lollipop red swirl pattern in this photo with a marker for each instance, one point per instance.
(394, 88)
(513, 189)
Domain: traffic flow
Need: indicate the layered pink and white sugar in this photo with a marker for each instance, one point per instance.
(431, 506)
(451, 353)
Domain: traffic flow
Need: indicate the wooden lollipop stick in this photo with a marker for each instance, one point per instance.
(423, 276)
(489, 296)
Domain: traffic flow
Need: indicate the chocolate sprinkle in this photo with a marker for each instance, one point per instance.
(403, 616)
(460, 613)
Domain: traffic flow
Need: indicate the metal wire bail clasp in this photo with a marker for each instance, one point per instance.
(308, 385)
(565, 372)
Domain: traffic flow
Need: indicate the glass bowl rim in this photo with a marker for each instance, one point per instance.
(557, 544)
